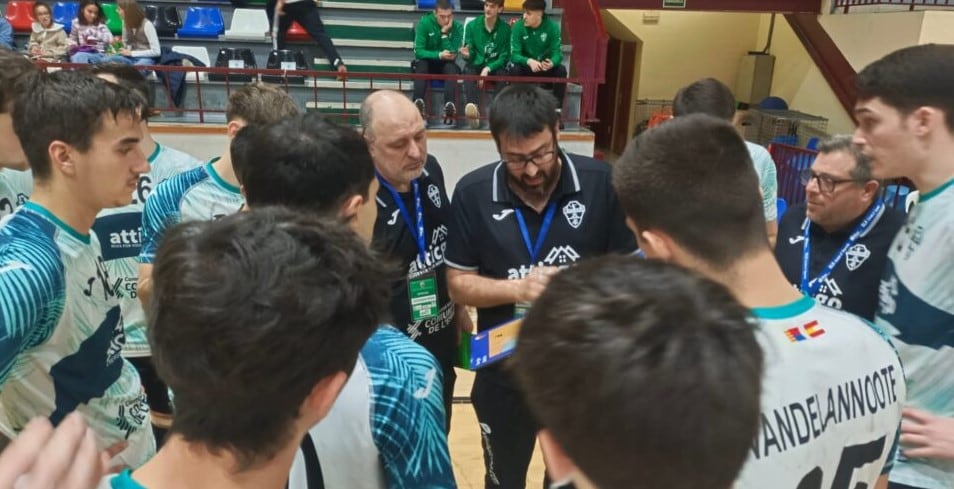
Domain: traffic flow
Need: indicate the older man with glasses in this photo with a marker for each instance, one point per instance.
(516, 222)
(834, 245)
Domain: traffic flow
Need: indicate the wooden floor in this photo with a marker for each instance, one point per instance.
(465, 450)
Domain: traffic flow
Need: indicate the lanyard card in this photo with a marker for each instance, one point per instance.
(521, 309)
(494, 345)
(423, 295)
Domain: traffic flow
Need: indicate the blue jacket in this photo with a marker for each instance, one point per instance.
(6, 34)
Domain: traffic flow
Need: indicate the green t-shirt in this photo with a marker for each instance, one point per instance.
(488, 49)
(429, 41)
(539, 44)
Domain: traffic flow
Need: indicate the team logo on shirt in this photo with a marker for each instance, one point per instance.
(500, 216)
(561, 255)
(435, 195)
(543, 37)
(856, 256)
(573, 212)
(103, 277)
(394, 217)
(806, 332)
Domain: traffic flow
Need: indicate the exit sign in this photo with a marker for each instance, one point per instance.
(674, 3)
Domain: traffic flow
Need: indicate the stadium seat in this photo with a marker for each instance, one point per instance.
(781, 206)
(248, 24)
(426, 4)
(165, 19)
(20, 15)
(296, 33)
(513, 5)
(240, 58)
(896, 195)
(285, 59)
(198, 52)
(202, 22)
(113, 20)
(64, 13)
(773, 103)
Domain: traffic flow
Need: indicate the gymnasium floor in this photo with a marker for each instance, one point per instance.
(464, 442)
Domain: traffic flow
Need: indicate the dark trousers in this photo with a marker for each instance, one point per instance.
(450, 378)
(508, 432)
(157, 393)
(558, 71)
(892, 485)
(470, 86)
(435, 67)
(306, 14)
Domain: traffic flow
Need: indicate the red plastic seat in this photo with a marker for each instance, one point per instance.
(297, 33)
(20, 15)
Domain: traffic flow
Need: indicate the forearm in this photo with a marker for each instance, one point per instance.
(771, 228)
(471, 289)
(144, 285)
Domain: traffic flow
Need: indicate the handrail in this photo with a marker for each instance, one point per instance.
(583, 24)
(847, 4)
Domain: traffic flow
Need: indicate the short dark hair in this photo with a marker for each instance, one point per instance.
(260, 103)
(669, 361)
(13, 66)
(81, 19)
(128, 77)
(306, 162)
(521, 111)
(535, 5)
(443, 5)
(498, 3)
(912, 77)
(693, 179)
(706, 96)
(251, 311)
(68, 106)
(843, 143)
(42, 4)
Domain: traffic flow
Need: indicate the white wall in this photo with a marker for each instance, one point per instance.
(457, 156)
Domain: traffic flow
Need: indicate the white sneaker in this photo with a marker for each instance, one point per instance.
(473, 115)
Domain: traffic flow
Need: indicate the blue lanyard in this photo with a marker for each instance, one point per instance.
(419, 238)
(811, 287)
(534, 248)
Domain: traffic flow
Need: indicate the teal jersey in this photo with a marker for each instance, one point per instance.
(120, 233)
(62, 335)
(916, 305)
(768, 179)
(196, 195)
(15, 189)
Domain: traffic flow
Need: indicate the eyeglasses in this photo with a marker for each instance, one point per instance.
(540, 160)
(826, 184)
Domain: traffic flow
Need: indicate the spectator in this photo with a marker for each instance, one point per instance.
(536, 47)
(712, 97)
(140, 41)
(844, 231)
(15, 184)
(305, 12)
(437, 39)
(48, 40)
(6, 34)
(89, 36)
(487, 51)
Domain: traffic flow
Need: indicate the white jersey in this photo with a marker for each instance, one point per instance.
(916, 305)
(768, 179)
(62, 335)
(15, 189)
(196, 195)
(832, 392)
(121, 231)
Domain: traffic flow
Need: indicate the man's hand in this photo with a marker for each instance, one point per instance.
(44, 458)
(447, 55)
(531, 286)
(465, 52)
(125, 52)
(924, 435)
(447, 28)
(280, 7)
(483, 72)
(547, 65)
(535, 66)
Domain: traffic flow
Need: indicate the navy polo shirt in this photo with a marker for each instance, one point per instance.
(853, 284)
(397, 242)
(485, 236)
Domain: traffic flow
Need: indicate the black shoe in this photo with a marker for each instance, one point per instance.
(450, 113)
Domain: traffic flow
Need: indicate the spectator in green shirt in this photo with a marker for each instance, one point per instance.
(437, 39)
(536, 48)
(487, 51)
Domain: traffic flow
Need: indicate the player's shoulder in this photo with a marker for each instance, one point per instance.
(170, 191)
(391, 350)
(29, 254)
(588, 165)
(480, 179)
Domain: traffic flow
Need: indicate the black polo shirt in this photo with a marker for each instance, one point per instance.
(485, 236)
(853, 284)
(394, 239)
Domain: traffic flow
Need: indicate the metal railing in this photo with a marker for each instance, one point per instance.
(583, 24)
(342, 106)
(845, 5)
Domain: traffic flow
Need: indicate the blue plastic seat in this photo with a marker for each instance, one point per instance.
(426, 4)
(64, 13)
(202, 22)
(773, 103)
(786, 139)
(782, 206)
(895, 195)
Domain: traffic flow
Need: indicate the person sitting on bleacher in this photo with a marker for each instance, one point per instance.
(437, 38)
(6, 34)
(140, 41)
(536, 48)
(89, 35)
(48, 40)
(487, 51)
(305, 12)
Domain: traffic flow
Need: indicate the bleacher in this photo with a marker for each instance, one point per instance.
(372, 36)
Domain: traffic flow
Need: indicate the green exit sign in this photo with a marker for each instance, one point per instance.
(674, 3)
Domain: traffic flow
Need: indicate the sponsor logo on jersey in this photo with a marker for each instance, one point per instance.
(559, 256)
(887, 296)
(434, 194)
(434, 256)
(120, 235)
(500, 216)
(805, 332)
(796, 239)
(543, 37)
(394, 217)
(102, 276)
(573, 212)
(856, 256)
